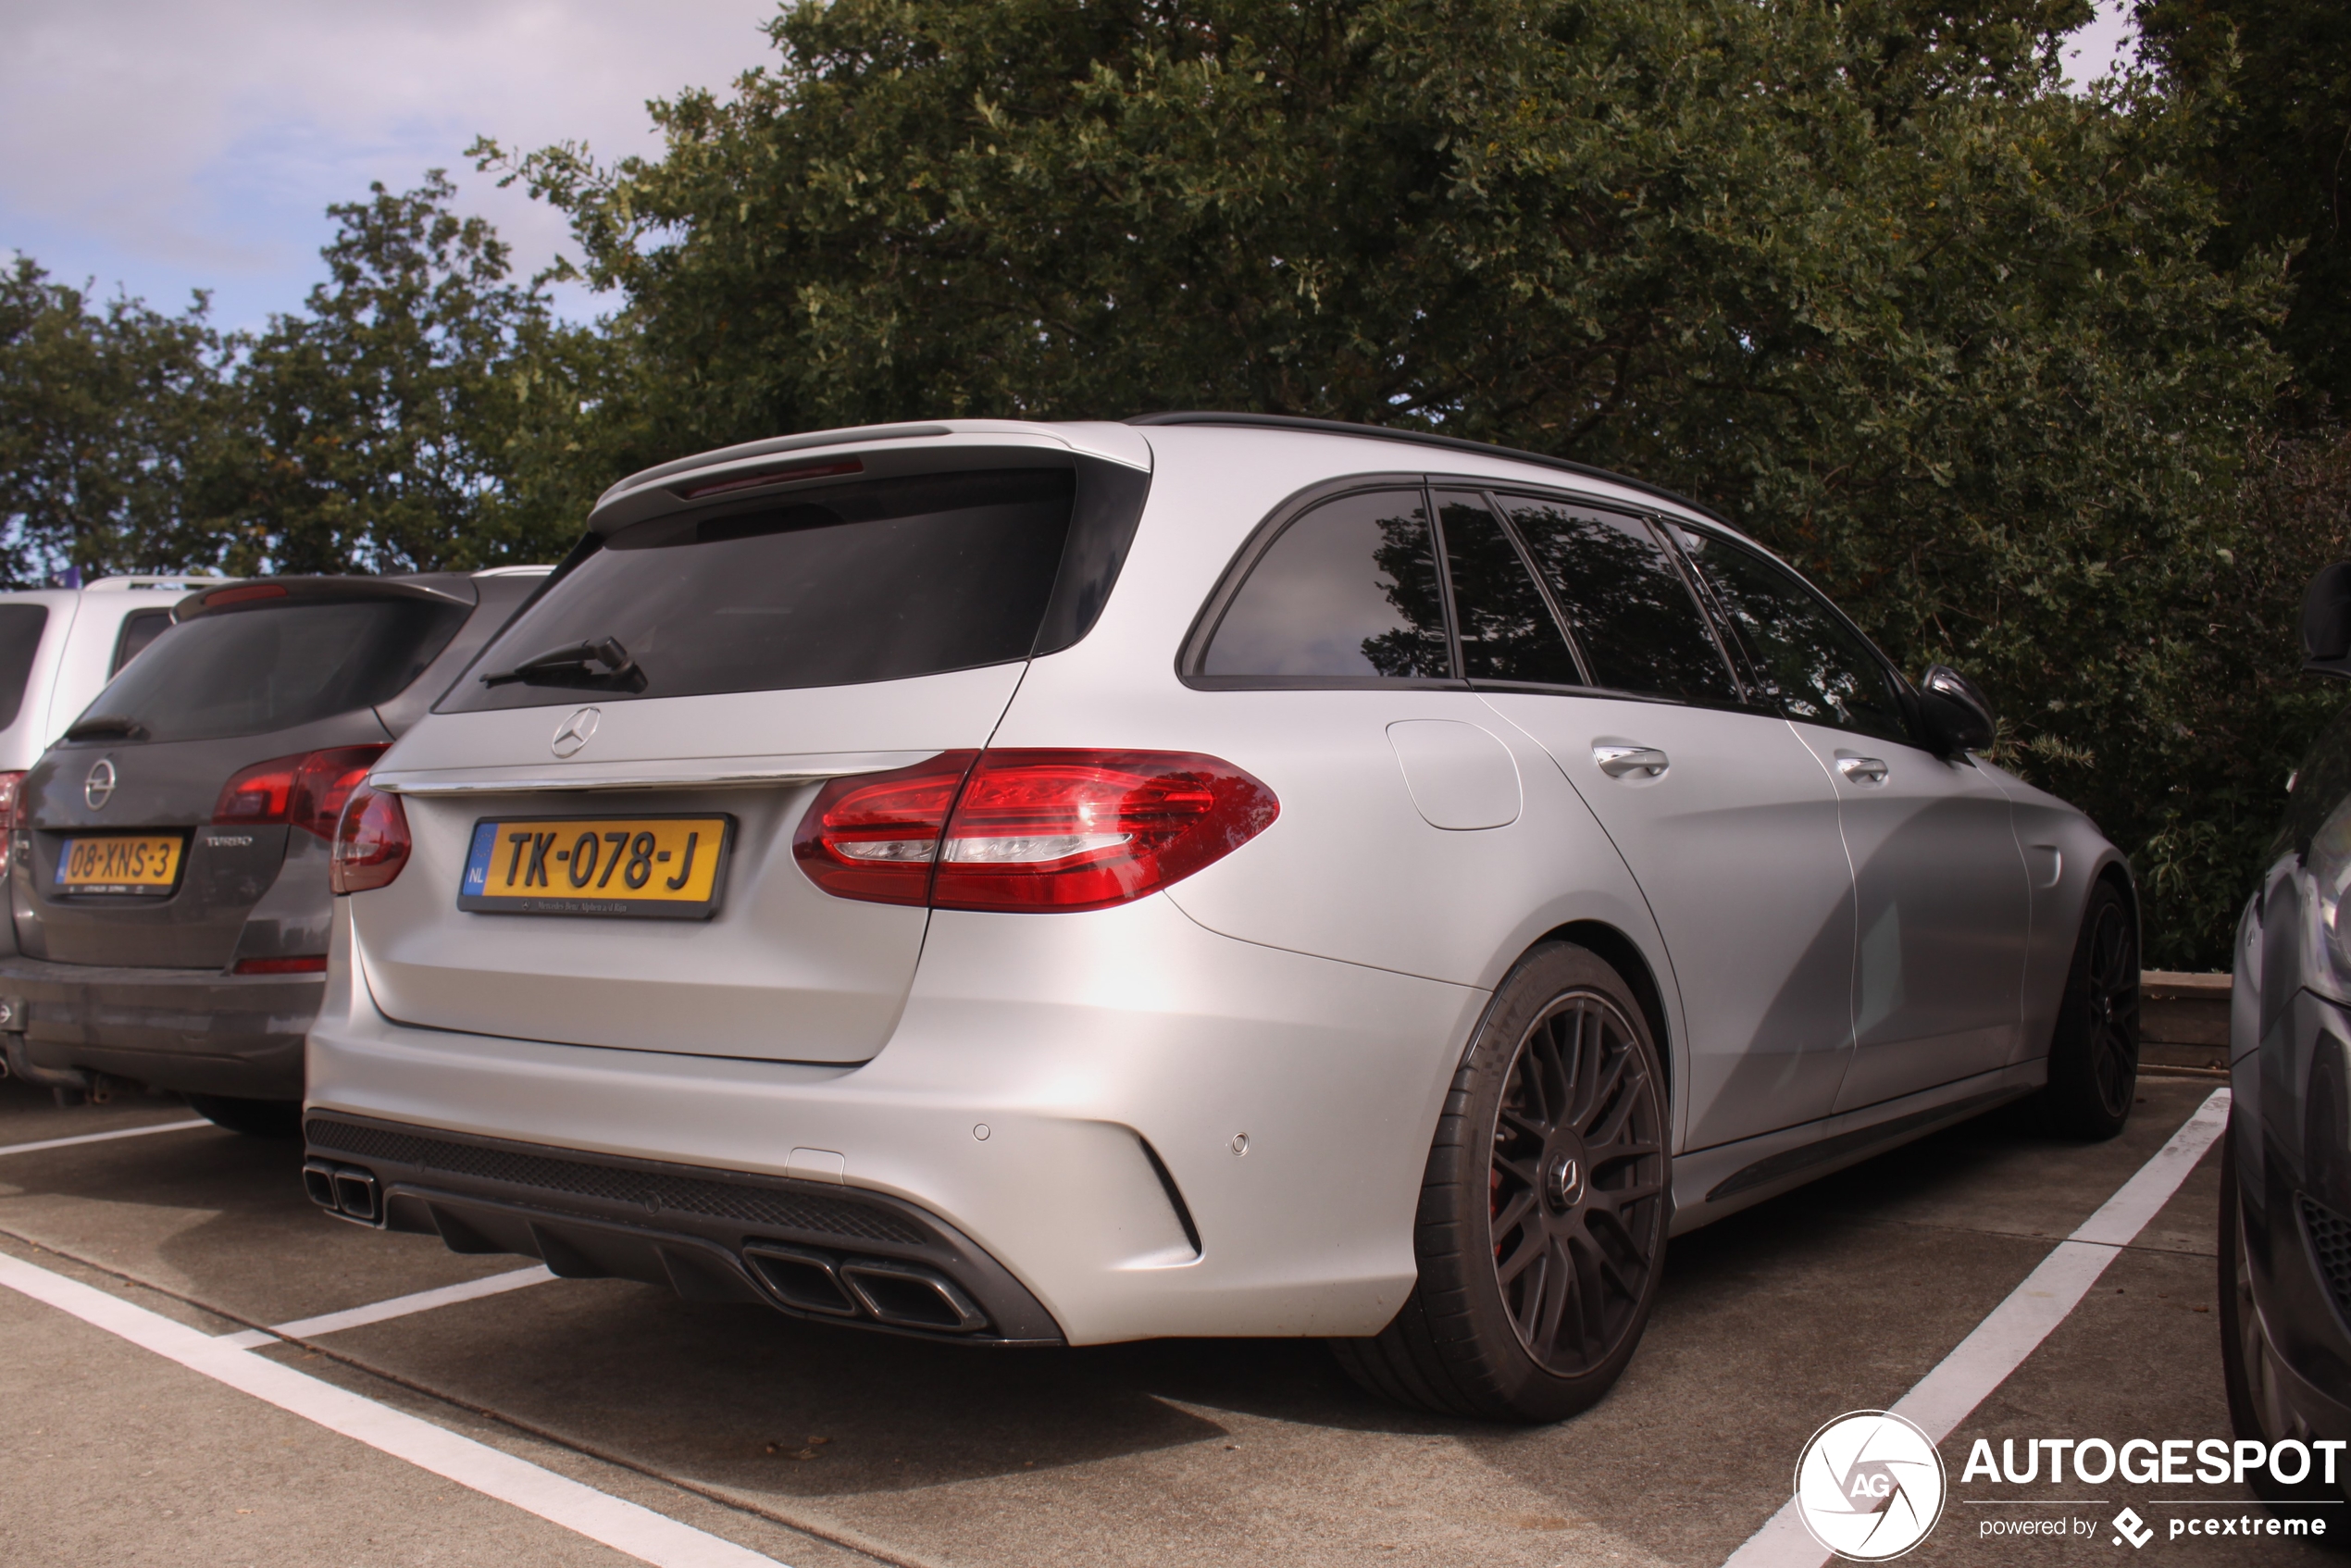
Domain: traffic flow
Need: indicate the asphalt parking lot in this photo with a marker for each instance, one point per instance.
(819, 1446)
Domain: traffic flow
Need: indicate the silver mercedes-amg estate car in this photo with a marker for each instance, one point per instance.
(1211, 875)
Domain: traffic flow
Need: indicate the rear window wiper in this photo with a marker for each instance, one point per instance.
(603, 661)
(108, 728)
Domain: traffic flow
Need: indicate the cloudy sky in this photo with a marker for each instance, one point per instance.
(164, 145)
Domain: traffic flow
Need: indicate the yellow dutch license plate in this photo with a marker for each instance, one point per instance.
(658, 867)
(146, 865)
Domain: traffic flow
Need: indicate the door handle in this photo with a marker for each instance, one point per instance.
(1619, 760)
(1862, 770)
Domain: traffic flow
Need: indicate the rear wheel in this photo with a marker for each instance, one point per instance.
(1541, 1230)
(257, 1118)
(2094, 1054)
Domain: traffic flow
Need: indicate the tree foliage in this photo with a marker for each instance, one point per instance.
(1860, 277)
(2279, 156)
(420, 413)
(109, 418)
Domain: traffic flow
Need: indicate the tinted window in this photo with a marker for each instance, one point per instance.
(1820, 669)
(1632, 613)
(247, 672)
(1348, 591)
(139, 628)
(19, 640)
(1508, 633)
(877, 581)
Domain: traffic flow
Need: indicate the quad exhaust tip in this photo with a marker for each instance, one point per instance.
(899, 1294)
(345, 1191)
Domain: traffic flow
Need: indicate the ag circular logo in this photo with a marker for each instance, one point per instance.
(98, 788)
(1869, 1486)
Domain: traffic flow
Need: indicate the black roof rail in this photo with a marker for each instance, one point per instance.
(1427, 438)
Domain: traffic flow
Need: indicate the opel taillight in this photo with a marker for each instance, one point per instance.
(371, 842)
(307, 789)
(11, 786)
(1028, 830)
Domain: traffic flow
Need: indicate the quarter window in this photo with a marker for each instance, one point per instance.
(1630, 611)
(1347, 591)
(1819, 668)
(20, 627)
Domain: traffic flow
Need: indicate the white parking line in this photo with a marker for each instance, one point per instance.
(103, 1136)
(614, 1522)
(380, 1311)
(1983, 1361)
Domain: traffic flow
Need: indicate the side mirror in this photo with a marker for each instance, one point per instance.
(2326, 623)
(1958, 716)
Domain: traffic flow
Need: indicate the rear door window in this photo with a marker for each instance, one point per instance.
(1508, 632)
(252, 671)
(1818, 668)
(139, 628)
(1346, 592)
(882, 580)
(21, 628)
(1633, 614)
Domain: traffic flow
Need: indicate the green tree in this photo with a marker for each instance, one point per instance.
(424, 412)
(2279, 157)
(1861, 278)
(108, 420)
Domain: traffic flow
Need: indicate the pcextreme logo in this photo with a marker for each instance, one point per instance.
(1869, 1486)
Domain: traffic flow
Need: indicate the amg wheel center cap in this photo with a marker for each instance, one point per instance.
(1563, 1181)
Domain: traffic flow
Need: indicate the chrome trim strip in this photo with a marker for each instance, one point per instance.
(667, 773)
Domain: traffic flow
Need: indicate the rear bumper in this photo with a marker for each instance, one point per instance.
(1149, 1129)
(193, 1030)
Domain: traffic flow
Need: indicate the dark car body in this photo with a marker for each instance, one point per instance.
(237, 740)
(2285, 1243)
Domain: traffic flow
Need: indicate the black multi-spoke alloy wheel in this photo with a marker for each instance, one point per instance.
(255, 1118)
(1543, 1213)
(2094, 1054)
(2257, 1407)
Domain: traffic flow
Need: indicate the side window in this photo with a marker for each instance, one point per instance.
(1348, 591)
(1822, 671)
(139, 628)
(1632, 613)
(20, 628)
(1508, 633)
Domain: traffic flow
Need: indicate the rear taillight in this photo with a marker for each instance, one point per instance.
(307, 789)
(1022, 830)
(371, 842)
(874, 836)
(11, 786)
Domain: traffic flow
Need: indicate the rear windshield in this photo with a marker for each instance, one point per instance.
(877, 581)
(248, 672)
(20, 628)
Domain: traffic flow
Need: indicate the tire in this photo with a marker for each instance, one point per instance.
(255, 1118)
(2257, 1407)
(2094, 1052)
(1543, 1214)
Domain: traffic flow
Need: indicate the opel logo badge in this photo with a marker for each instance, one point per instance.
(570, 735)
(98, 788)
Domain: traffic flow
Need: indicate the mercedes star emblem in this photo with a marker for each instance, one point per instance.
(98, 788)
(571, 734)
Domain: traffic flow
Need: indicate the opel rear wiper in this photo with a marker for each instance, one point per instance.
(601, 663)
(106, 728)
